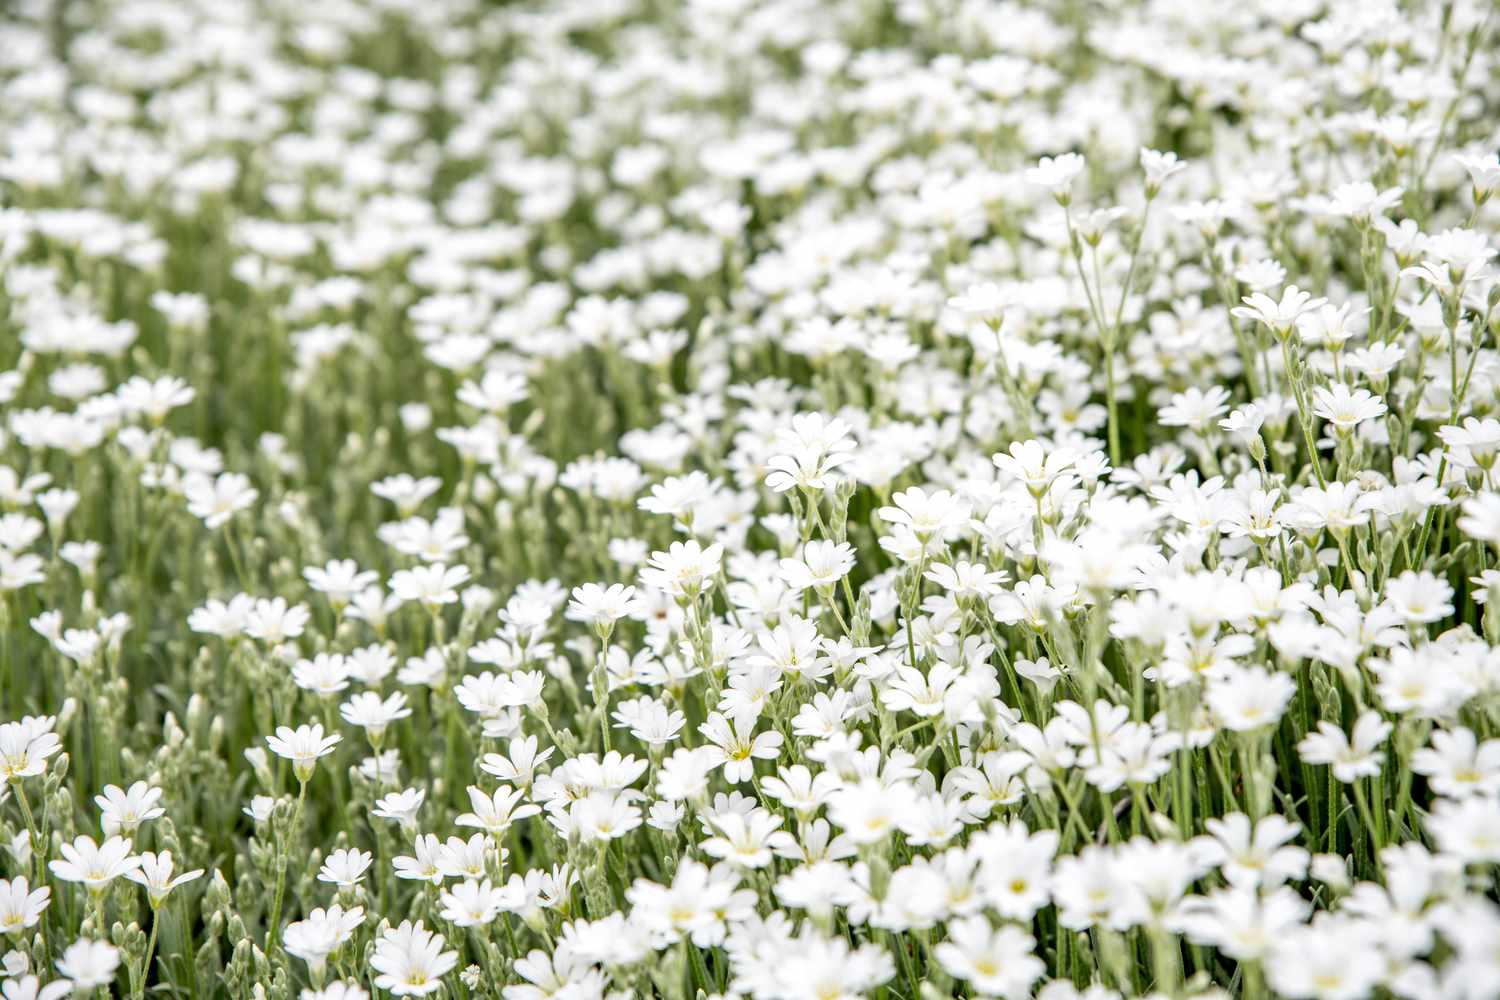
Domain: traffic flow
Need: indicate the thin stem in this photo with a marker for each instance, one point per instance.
(140, 986)
(272, 937)
(37, 861)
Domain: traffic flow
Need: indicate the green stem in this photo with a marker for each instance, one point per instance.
(37, 860)
(140, 987)
(272, 937)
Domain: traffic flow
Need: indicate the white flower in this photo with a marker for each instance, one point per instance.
(433, 585)
(1475, 444)
(685, 569)
(275, 621)
(24, 987)
(155, 399)
(155, 873)
(88, 964)
(95, 865)
(410, 960)
(1353, 756)
(1252, 854)
(601, 607)
(820, 566)
(495, 812)
(25, 747)
(20, 905)
(472, 903)
(216, 500)
(1159, 168)
(1246, 699)
(345, 867)
(1195, 408)
(806, 454)
(1034, 465)
(302, 746)
(1484, 171)
(1057, 174)
(997, 961)
(340, 579)
(927, 515)
(320, 934)
(1468, 828)
(1480, 519)
(124, 811)
(741, 840)
(373, 714)
(400, 807)
(1346, 409)
(1419, 598)
(1457, 765)
(734, 744)
(1280, 316)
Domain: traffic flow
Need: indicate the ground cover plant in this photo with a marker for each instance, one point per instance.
(767, 499)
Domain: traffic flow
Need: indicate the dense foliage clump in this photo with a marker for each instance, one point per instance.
(749, 499)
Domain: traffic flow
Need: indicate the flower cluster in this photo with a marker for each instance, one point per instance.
(750, 500)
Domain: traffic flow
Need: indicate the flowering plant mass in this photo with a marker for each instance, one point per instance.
(749, 499)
